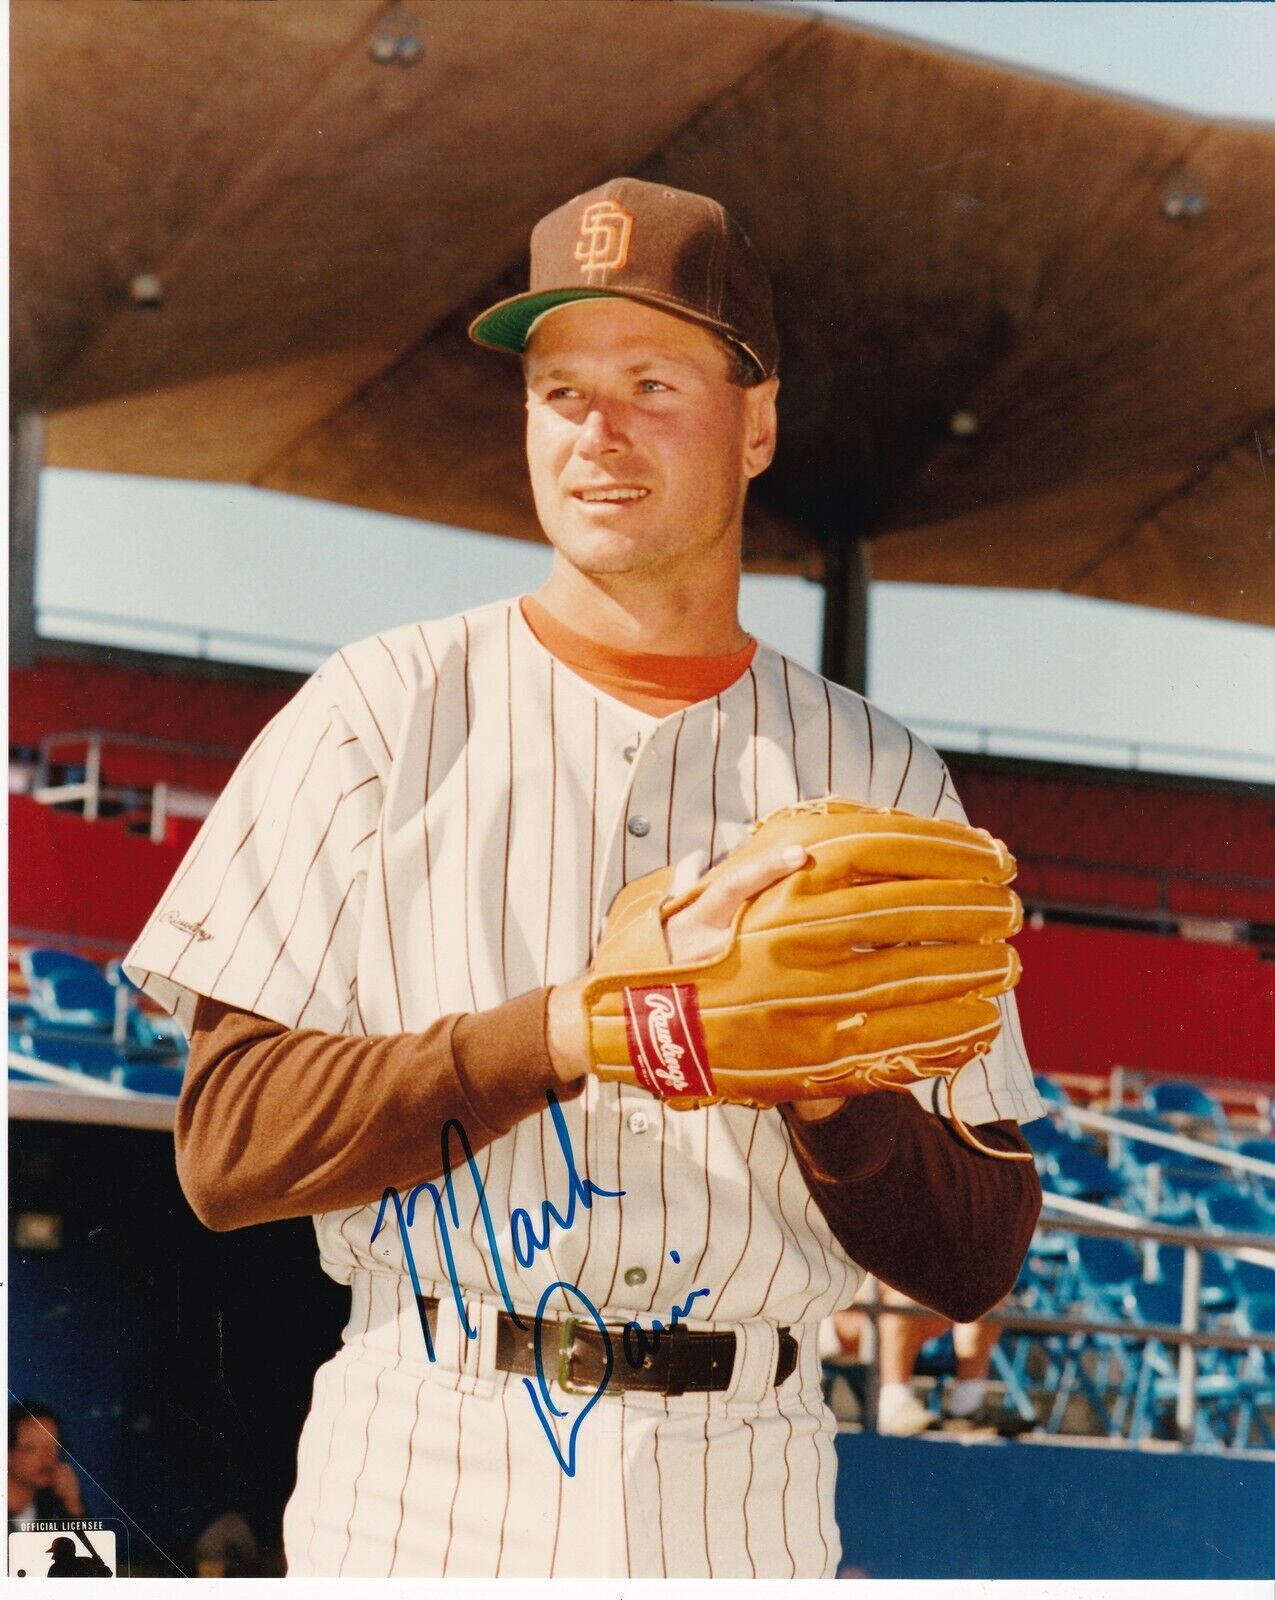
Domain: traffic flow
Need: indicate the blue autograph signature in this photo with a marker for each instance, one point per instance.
(528, 1243)
(637, 1341)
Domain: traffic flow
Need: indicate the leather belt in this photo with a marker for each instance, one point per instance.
(674, 1361)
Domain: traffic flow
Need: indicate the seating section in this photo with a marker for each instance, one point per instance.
(1121, 1374)
(71, 1019)
(1129, 1384)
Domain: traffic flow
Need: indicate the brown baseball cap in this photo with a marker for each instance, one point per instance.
(679, 252)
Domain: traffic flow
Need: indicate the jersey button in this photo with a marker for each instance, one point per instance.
(639, 827)
(630, 753)
(635, 1277)
(639, 1122)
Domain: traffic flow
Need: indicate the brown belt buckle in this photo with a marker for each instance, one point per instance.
(566, 1351)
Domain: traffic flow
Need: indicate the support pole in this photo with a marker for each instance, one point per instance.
(26, 456)
(1188, 1357)
(847, 571)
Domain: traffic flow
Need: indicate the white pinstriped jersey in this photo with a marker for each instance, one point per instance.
(437, 823)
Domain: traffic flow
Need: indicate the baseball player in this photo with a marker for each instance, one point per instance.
(583, 1330)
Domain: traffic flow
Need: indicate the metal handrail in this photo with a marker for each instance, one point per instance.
(144, 741)
(67, 1077)
(203, 636)
(1030, 1322)
(1101, 1223)
(1134, 1131)
(1134, 748)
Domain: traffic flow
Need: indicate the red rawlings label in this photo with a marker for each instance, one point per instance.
(666, 1041)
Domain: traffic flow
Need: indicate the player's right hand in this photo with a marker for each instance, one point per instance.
(701, 931)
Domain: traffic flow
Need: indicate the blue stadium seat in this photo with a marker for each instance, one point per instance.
(149, 1079)
(1138, 1153)
(1104, 1269)
(1155, 1302)
(1149, 1394)
(1188, 1183)
(1178, 1097)
(1261, 1149)
(1053, 1094)
(937, 1358)
(1100, 1274)
(76, 999)
(1256, 1409)
(1181, 1176)
(1217, 1288)
(1225, 1206)
(1251, 1280)
(88, 1053)
(72, 999)
(45, 961)
(1076, 1171)
(1044, 1135)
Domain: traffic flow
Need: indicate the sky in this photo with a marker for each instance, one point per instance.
(1210, 57)
(1017, 672)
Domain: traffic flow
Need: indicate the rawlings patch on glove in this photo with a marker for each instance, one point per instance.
(872, 966)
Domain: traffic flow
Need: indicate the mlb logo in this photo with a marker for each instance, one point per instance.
(62, 1550)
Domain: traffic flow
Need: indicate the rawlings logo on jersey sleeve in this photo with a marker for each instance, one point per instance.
(666, 1041)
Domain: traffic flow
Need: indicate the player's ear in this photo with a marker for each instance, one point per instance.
(762, 421)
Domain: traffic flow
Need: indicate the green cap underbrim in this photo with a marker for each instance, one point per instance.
(505, 326)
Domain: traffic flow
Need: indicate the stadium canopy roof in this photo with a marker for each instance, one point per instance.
(1028, 329)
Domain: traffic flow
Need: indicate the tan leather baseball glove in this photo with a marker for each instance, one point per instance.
(871, 966)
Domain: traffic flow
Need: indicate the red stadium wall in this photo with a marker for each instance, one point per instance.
(63, 696)
(1140, 843)
(87, 879)
(1091, 999)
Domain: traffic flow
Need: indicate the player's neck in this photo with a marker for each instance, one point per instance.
(645, 616)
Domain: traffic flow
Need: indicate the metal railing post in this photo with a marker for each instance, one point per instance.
(159, 812)
(93, 780)
(870, 1353)
(119, 1033)
(1188, 1362)
(1115, 1105)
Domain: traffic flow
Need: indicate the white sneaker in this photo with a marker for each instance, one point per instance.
(901, 1414)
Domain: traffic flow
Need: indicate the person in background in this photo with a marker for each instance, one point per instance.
(41, 1484)
(900, 1411)
(227, 1548)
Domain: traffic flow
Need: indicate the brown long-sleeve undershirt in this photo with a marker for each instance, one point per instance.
(912, 1203)
(278, 1122)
